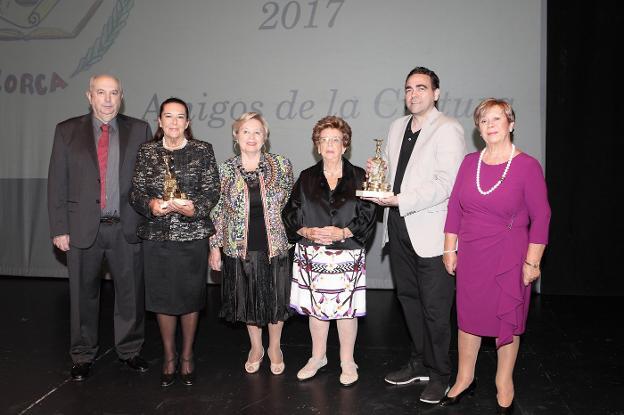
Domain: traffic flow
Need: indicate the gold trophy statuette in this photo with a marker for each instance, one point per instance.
(171, 190)
(376, 185)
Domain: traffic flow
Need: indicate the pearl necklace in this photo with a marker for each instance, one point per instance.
(179, 146)
(498, 183)
(335, 172)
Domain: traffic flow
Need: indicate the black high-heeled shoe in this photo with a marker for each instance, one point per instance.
(454, 400)
(189, 377)
(505, 410)
(167, 379)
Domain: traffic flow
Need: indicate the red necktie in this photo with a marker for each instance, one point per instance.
(102, 151)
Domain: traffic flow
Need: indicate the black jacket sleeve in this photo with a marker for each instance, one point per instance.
(362, 226)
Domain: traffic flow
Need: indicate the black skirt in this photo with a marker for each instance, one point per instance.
(255, 291)
(175, 276)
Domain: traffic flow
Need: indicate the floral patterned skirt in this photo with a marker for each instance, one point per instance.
(328, 284)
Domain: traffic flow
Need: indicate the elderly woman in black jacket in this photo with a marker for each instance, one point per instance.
(175, 231)
(330, 226)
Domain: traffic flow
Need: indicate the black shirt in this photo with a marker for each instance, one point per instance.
(409, 141)
(257, 236)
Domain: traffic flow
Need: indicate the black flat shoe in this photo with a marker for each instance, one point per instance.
(453, 400)
(80, 371)
(505, 410)
(189, 377)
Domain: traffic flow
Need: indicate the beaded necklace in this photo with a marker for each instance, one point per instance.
(498, 183)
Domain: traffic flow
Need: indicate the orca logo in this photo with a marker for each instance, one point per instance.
(28, 21)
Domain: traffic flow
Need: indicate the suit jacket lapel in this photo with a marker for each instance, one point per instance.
(88, 140)
(124, 132)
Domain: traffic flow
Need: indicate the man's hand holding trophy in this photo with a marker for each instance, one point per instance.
(376, 189)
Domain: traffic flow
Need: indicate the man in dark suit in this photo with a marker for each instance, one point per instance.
(89, 180)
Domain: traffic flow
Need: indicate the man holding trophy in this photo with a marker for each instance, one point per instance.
(423, 152)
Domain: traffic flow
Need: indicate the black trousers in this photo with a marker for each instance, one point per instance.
(426, 292)
(85, 266)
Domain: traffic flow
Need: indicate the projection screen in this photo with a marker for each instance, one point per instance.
(294, 61)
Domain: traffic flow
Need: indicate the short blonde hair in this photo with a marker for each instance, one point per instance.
(488, 103)
(250, 116)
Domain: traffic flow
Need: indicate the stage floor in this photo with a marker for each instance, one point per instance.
(571, 362)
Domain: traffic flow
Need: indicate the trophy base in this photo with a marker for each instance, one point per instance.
(373, 193)
(179, 201)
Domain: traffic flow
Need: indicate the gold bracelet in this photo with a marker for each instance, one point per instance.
(536, 266)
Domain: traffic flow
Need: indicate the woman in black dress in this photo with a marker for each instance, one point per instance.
(175, 231)
(330, 226)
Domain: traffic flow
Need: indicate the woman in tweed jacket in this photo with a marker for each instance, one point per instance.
(175, 232)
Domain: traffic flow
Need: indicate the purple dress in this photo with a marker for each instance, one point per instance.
(494, 232)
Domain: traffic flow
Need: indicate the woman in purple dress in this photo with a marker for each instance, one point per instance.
(496, 231)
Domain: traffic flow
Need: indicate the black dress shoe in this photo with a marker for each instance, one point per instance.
(80, 371)
(136, 363)
(453, 400)
(505, 410)
(189, 377)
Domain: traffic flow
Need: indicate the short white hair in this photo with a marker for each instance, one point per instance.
(102, 75)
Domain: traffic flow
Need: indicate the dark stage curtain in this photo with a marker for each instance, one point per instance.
(583, 161)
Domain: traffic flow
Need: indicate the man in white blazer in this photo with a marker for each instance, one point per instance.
(424, 150)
